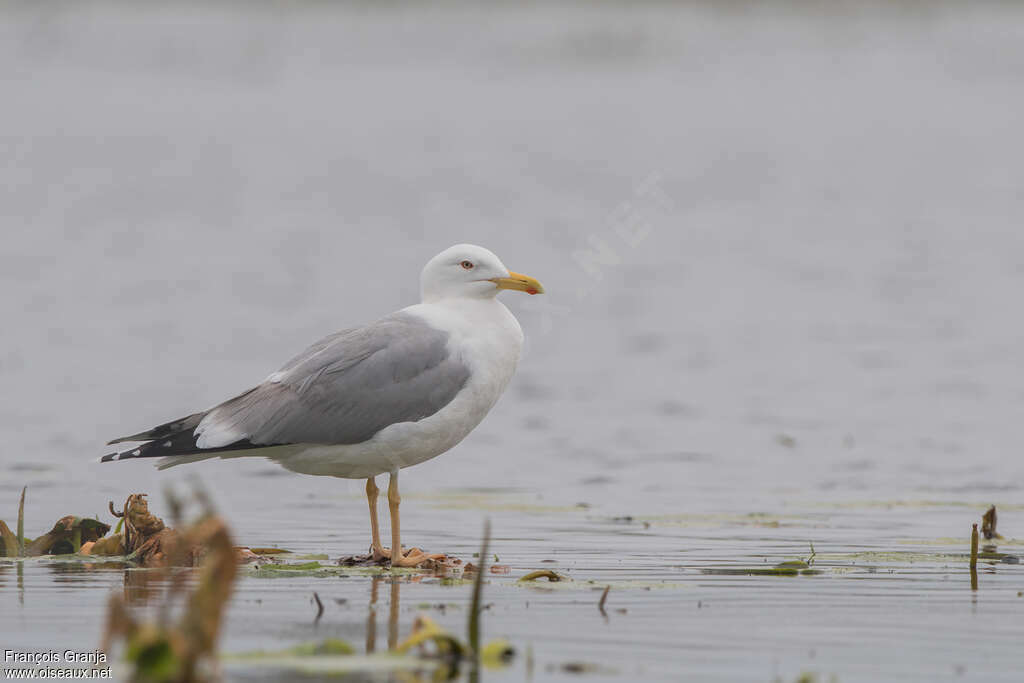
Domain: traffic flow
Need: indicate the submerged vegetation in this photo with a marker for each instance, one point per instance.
(798, 567)
(67, 535)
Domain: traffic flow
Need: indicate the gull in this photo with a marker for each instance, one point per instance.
(375, 399)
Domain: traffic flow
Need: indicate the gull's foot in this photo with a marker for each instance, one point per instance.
(416, 557)
(377, 553)
(413, 557)
(363, 561)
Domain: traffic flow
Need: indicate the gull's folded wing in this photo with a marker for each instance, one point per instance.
(341, 390)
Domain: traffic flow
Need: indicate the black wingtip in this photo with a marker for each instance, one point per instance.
(182, 443)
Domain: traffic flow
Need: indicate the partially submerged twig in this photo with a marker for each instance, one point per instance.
(974, 557)
(988, 524)
(604, 597)
(473, 626)
(542, 574)
(21, 523)
(974, 546)
(319, 608)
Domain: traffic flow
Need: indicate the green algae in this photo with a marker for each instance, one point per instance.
(716, 520)
(316, 568)
(950, 541)
(281, 570)
(887, 557)
(274, 551)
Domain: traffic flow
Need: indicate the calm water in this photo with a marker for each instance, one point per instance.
(784, 261)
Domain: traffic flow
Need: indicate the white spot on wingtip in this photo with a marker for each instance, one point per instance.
(214, 436)
(275, 377)
(135, 452)
(167, 444)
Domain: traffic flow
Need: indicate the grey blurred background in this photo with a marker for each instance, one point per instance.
(781, 242)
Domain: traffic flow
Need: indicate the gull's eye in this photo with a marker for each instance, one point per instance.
(468, 265)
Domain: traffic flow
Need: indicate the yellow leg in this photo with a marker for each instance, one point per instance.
(371, 498)
(416, 557)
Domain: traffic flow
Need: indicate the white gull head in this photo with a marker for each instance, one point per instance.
(469, 271)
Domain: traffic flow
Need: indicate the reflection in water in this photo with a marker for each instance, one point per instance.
(393, 609)
(445, 670)
(4, 568)
(79, 572)
(393, 615)
(144, 586)
(371, 618)
(141, 587)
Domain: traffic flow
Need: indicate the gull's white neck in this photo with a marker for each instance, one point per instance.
(482, 331)
(470, 316)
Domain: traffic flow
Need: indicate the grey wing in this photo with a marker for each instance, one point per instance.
(345, 389)
(314, 349)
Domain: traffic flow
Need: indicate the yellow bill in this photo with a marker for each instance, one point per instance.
(519, 282)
